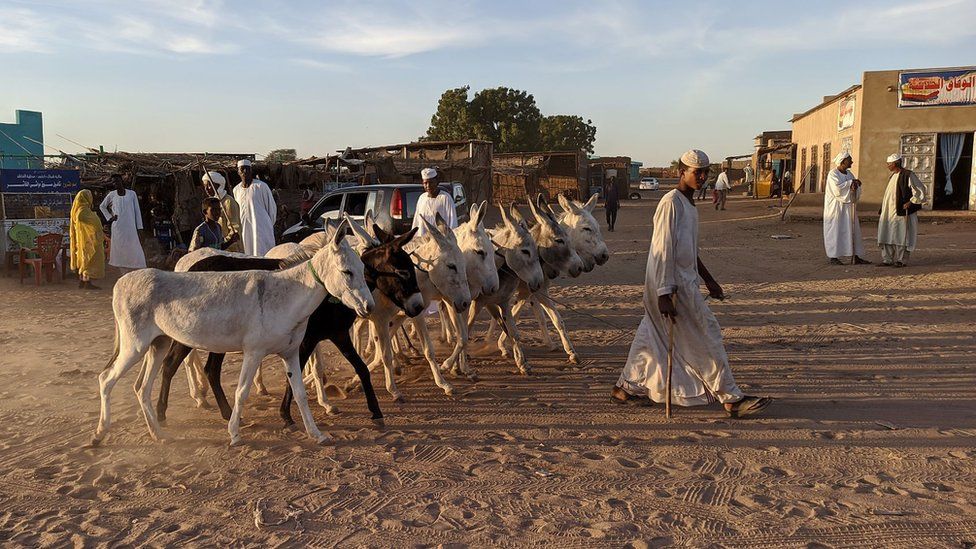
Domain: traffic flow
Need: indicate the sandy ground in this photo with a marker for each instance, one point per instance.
(870, 441)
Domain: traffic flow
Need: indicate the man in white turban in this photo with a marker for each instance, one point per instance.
(258, 211)
(215, 185)
(841, 227)
(898, 222)
(673, 301)
(434, 201)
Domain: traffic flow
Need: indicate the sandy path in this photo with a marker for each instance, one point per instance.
(870, 441)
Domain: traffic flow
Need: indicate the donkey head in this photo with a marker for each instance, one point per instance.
(585, 231)
(517, 247)
(341, 271)
(555, 246)
(389, 270)
(479, 254)
(440, 258)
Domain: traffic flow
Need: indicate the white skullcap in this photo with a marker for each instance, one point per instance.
(894, 158)
(695, 159)
(243, 162)
(214, 177)
(840, 157)
(428, 173)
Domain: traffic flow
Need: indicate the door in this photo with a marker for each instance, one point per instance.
(918, 155)
(972, 179)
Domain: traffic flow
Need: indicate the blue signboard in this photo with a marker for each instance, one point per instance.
(40, 181)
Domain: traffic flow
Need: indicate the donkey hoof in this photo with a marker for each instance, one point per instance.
(379, 424)
(553, 347)
(95, 441)
(204, 404)
(330, 409)
(289, 425)
(399, 399)
(448, 390)
(323, 439)
(235, 441)
(574, 358)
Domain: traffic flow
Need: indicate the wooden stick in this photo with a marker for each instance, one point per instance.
(667, 398)
(853, 237)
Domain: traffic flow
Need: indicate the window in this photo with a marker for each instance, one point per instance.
(814, 172)
(826, 165)
(356, 204)
(327, 208)
(803, 168)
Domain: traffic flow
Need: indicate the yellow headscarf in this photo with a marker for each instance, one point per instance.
(87, 238)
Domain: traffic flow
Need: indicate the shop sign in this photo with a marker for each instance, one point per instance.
(937, 88)
(40, 181)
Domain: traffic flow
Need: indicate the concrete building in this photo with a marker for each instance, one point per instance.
(927, 115)
(21, 142)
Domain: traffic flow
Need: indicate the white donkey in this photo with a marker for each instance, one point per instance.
(257, 312)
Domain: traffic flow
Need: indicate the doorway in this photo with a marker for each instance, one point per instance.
(960, 176)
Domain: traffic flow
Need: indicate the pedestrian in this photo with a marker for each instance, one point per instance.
(121, 209)
(788, 182)
(611, 201)
(722, 188)
(308, 199)
(673, 301)
(87, 241)
(841, 227)
(434, 201)
(704, 188)
(209, 233)
(898, 221)
(258, 211)
(215, 185)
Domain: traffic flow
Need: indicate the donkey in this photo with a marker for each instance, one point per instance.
(518, 260)
(259, 312)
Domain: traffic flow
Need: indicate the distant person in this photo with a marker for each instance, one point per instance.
(722, 188)
(209, 234)
(87, 241)
(215, 185)
(434, 201)
(775, 186)
(308, 200)
(611, 201)
(842, 229)
(673, 301)
(702, 192)
(898, 222)
(788, 182)
(258, 211)
(121, 208)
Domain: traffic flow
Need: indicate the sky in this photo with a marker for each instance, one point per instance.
(656, 78)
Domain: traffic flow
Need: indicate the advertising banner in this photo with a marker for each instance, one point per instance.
(937, 88)
(845, 116)
(40, 181)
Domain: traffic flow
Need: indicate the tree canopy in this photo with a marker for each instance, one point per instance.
(508, 118)
(281, 155)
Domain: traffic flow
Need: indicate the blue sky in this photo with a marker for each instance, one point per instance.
(655, 77)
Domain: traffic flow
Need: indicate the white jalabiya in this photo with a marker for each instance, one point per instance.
(126, 250)
(428, 208)
(258, 213)
(839, 240)
(722, 182)
(701, 372)
(898, 234)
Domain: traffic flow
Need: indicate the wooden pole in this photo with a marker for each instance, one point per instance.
(667, 398)
(853, 217)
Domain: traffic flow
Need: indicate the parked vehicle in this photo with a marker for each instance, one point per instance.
(649, 184)
(392, 207)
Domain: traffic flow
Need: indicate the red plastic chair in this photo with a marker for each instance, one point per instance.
(46, 250)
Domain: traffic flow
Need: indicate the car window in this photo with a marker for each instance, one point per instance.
(356, 203)
(458, 193)
(375, 197)
(410, 202)
(327, 208)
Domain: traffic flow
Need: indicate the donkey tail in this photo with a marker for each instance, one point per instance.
(115, 349)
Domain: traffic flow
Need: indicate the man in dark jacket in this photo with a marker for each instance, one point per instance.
(611, 201)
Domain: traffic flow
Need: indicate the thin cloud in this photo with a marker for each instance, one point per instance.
(22, 30)
(321, 65)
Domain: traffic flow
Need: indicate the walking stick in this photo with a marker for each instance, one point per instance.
(667, 398)
(853, 238)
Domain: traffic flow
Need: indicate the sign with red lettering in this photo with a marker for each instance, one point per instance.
(937, 88)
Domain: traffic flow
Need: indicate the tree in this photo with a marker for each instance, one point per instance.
(674, 164)
(281, 155)
(451, 121)
(567, 133)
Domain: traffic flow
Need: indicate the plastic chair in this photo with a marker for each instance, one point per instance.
(47, 249)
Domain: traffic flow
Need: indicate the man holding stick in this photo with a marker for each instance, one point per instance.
(674, 306)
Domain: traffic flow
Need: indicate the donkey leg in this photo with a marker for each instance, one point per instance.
(428, 348)
(259, 385)
(316, 366)
(344, 344)
(293, 370)
(504, 318)
(249, 368)
(177, 352)
(214, 363)
(196, 379)
(549, 307)
(547, 341)
(381, 338)
(130, 353)
(458, 361)
(157, 355)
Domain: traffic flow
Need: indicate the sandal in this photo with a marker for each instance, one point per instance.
(748, 406)
(835, 261)
(629, 399)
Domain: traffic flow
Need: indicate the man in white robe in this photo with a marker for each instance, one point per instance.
(841, 227)
(898, 222)
(257, 209)
(673, 301)
(434, 201)
(121, 209)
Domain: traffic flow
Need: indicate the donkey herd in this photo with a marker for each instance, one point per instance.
(336, 287)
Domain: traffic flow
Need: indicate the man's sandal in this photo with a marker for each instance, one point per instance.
(629, 399)
(748, 406)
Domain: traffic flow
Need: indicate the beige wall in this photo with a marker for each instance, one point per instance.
(883, 124)
(820, 127)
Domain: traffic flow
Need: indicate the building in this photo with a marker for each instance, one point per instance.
(22, 143)
(518, 177)
(602, 168)
(772, 157)
(927, 115)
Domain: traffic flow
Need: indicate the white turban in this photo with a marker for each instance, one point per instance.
(695, 159)
(218, 180)
(840, 157)
(894, 158)
(428, 173)
(243, 162)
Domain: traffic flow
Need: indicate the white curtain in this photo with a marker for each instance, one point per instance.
(951, 146)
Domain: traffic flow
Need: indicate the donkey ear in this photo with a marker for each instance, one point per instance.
(381, 235)
(516, 214)
(590, 204)
(482, 210)
(550, 213)
(564, 203)
(340, 233)
(403, 239)
(359, 231)
(535, 209)
(432, 230)
(443, 227)
(506, 220)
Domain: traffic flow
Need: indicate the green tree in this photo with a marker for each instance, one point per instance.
(674, 164)
(281, 155)
(451, 122)
(508, 118)
(567, 133)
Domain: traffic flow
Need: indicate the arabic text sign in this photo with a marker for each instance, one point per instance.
(928, 88)
(40, 181)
